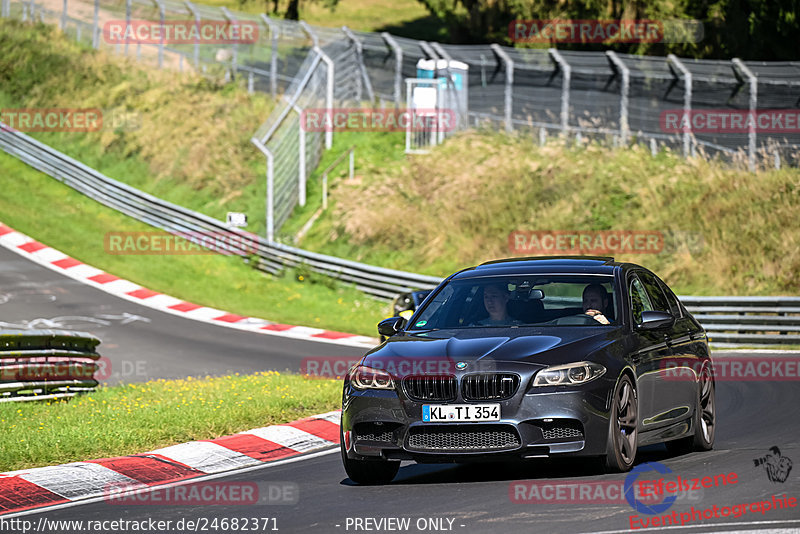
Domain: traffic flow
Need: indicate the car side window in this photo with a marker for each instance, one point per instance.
(672, 300)
(640, 302)
(654, 291)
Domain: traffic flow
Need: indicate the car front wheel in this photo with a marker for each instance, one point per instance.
(368, 472)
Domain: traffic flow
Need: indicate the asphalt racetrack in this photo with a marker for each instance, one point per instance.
(752, 417)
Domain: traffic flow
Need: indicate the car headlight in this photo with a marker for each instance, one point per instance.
(364, 377)
(569, 374)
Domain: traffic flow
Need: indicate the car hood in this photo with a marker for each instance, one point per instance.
(538, 347)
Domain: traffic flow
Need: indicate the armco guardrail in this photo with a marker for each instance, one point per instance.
(46, 364)
(747, 320)
(272, 256)
(755, 320)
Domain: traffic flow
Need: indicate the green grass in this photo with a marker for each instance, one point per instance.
(407, 18)
(189, 142)
(727, 231)
(136, 418)
(58, 216)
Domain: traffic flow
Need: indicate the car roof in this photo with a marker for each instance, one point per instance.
(543, 264)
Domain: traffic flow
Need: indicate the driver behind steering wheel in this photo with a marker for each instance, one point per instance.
(595, 303)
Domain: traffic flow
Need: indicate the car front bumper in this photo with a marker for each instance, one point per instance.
(536, 422)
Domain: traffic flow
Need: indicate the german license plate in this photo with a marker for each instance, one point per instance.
(434, 413)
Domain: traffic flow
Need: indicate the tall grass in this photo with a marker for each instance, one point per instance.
(727, 231)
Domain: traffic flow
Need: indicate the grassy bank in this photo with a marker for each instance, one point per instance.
(58, 216)
(725, 230)
(184, 138)
(136, 418)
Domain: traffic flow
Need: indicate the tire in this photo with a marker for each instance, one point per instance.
(704, 421)
(368, 472)
(623, 432)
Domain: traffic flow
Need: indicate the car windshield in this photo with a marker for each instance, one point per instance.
(509, 301)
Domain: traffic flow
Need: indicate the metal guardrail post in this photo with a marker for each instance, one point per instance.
(398, 67)
(64, 16)
(273, 53)
(6, 8)
(742, 69)
(232, 21)
(566, 73)
(367, 84)
(196, 15)
(624, 90)
(162, 17)
(508, 101)
(686, 121)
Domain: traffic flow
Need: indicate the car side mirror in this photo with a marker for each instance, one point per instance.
(653, 320)
(391, 326)
(535, 294)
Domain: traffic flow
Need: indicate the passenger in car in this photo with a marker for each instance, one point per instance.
(595, 303)
(495, 300)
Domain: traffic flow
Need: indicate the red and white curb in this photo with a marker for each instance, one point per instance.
(60, 262)
(63, 484)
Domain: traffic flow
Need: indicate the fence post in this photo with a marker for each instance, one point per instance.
(6, 6)
(429, 51)
(64, 16)
(232, 21)
(301, 159)
(624, 90)
(462, 118)
(270, 208)
(398, 67)
(196, 15)
(329, 86)
(363, 68)
(127, 21)
(566, 73)
(273, 59)
(672, 59)
(96, 25)
(508, 102)
(161, 17)
(742, 70)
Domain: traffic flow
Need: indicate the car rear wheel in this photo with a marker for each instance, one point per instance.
(704, 421)
(368, 472)
(622, 428)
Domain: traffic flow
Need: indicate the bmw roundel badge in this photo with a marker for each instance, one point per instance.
(461, 366)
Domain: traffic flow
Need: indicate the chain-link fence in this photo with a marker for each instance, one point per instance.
(690, 106)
